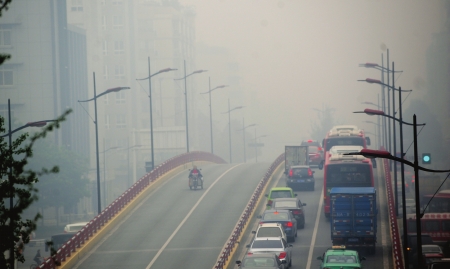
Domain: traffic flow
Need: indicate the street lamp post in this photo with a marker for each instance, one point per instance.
(243, 134)
(99, 207)
(150, 101)
(210, 109)
(185, 100)
(229, 123)
(11, 179)
(405, 232)
(256, 145)
(386, 155)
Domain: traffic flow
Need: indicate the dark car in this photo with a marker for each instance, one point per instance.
(294, 205)
(285, 217)
(300, 176)
(266, 260)
(316, 156)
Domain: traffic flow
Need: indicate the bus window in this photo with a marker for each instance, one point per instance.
(431, 225)
(412, 226)
(446, 225)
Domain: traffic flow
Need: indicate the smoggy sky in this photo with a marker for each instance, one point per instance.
(297, 55)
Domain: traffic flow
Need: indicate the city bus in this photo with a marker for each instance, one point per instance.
(345, 135)
(440, 203)
(345, 171)
(436, 225)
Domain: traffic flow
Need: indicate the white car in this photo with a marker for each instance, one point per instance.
(275, 245)
(74, 227)
(270, 230)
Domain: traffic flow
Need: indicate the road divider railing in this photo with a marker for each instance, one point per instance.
(397, 254)
(230, 246)
(95, 225)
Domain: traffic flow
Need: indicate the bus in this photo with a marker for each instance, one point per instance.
(345, 135)
(345, 171)
(436, 225)
(440, 203)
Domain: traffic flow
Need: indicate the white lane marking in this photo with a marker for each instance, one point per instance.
(187, 216)
(313, 240)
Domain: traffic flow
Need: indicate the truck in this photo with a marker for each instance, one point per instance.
(295, 155)
(353, 217)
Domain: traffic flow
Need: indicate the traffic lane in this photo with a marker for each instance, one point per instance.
(200, 240)
(141, 234)
(323, 240)
(144, 232)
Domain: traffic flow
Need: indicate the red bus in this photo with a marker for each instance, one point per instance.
(436, 225)
(439, 204)
(345, 135)
(345, 171)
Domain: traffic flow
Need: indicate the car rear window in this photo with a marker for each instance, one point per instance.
(75, 228)
(284, 204)
(313, 149)
(267, 244)
(276, 216)
(269, 232)
(280, 194)
(299, 172)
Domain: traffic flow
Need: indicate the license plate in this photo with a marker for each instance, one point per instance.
(300, 180)
(353, 240)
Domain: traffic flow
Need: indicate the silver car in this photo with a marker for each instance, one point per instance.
(276, 245)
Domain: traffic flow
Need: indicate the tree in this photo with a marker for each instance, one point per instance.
(69, 185)
(13, 161)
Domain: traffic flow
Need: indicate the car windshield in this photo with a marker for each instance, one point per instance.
(269, 232)
(280, 194)
(431, 249)
(276, 216)
(259, 262)
(284, 204)
(341, 259)
(267, 244)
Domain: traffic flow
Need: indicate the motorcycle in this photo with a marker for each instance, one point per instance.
(195, 180)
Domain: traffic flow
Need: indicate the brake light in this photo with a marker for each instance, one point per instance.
(289, 224)
(291, 173)
(296, 212)
(282, 255)
(309, 172)
(249, 254)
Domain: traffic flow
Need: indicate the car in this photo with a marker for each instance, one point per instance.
(74, 227)
(279, 192)
(431, 253)
(440, 264)
(275, 245)
(316, 156)
(339, 257)
(310, 142)
(300, 176)
(295, 206)
(284, 217)
(266, 260)
(270, 230)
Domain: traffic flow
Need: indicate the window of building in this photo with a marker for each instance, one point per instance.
(106, 98)
(105, 47)
(77, 5)
(120, 97)
(121, 121)
(5, 35)
(107, 122)
(118, 22)
(103, 22)
(119, 72)
(6, 75)
(105, 72)
(118, 47)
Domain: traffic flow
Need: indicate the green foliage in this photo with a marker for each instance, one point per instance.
(13, 161)
(66, 187)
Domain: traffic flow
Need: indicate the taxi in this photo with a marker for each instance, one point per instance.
(339, 257)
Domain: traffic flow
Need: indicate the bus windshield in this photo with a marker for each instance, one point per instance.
(348, 175)
(344, 141)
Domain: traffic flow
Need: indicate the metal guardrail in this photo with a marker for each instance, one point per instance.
(397, 253)
(96, 224)
(236, 233)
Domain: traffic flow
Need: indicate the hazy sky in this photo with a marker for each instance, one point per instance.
(296, 55)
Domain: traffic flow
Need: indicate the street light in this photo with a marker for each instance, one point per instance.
(150, 101)
(210, 109)
(369, 153)
(99, 208)
(185, 100)
(381, 113)
(11, 179)
(243, 133)
(229, 123)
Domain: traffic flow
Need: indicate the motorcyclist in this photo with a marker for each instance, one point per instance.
(194, 171)
(38, 258)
